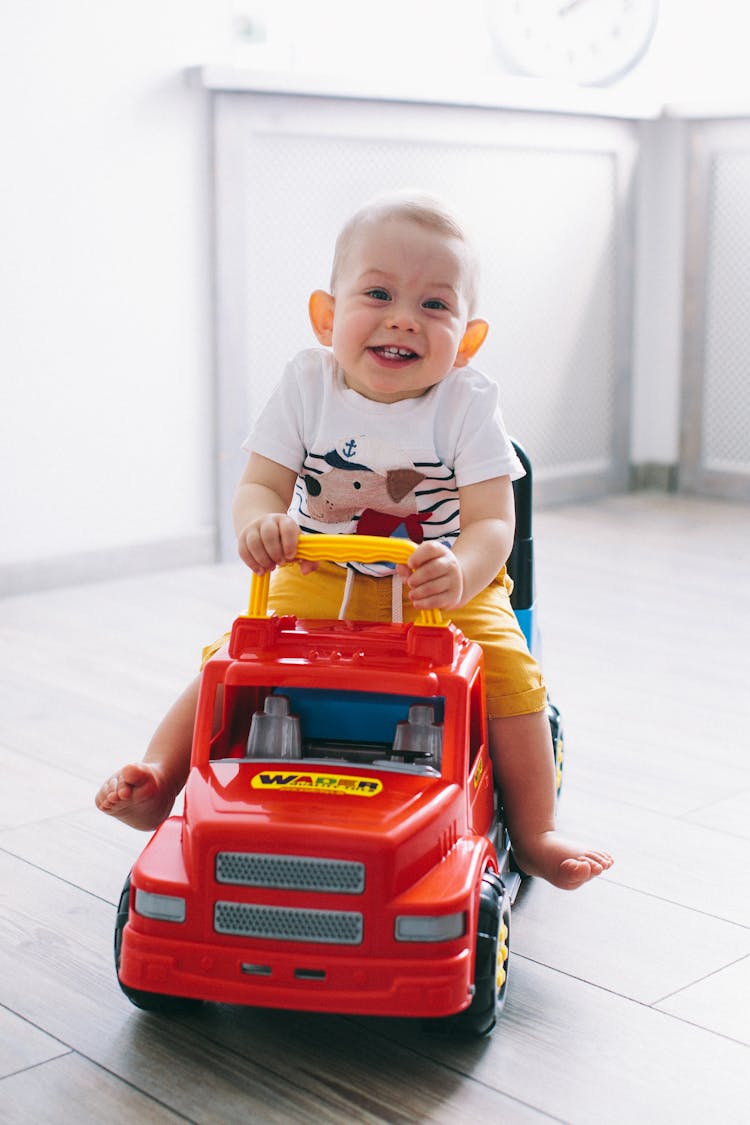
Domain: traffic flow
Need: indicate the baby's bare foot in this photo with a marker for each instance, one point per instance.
(137, 794)
(561, 862)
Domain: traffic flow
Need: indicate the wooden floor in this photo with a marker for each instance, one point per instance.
(629, 1000)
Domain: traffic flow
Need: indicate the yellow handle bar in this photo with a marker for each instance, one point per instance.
(354, 548)
(341, 549)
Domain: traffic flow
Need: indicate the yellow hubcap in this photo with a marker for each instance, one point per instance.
(502, 955)
(559, 756)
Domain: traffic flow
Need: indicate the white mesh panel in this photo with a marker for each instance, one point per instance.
(726, 402)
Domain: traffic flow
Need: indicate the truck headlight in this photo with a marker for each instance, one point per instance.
(430, 927)
(163, 908)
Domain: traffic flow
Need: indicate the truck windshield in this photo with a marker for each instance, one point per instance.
(376, 729)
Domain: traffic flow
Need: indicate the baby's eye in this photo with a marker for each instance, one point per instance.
(434, 303)
(378, 294)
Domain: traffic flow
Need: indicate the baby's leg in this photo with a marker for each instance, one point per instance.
(521, 748)
(142, 794)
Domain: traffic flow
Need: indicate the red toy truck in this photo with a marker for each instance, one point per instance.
(341, 848)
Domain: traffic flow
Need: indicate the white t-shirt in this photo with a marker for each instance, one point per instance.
(378, 468)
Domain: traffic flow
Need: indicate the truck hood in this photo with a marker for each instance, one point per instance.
(407, 820)
(321, 796)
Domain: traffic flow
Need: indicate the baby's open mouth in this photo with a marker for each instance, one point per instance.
(392, 352)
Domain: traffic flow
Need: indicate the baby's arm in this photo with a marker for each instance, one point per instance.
(439, 578)
(266, 535)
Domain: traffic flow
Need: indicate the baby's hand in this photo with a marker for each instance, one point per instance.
(433, 576)
(268, 541)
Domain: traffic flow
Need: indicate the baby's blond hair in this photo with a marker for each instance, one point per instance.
(417, 207)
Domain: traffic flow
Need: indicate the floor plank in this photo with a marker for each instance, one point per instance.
(83, 848)
(700, 868)
(730, 816)
(634, 944)
(31, 794)
(713, 1002)
(22, 1045)
(72, 1089)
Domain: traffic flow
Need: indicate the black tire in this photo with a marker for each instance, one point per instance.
(491, 964)
(147, 1001)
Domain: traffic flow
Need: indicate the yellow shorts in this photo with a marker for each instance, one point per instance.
(515, 685)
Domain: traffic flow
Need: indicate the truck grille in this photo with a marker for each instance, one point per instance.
(334, 927)
(290, 872)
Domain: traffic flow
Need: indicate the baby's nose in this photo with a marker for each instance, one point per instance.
(403, 317)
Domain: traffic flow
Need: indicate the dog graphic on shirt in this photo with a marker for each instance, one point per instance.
(367, 483)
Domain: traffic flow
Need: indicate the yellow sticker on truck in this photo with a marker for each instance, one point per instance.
(317, 783)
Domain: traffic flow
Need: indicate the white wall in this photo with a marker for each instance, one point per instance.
(658, 296)
(105, 304)
(699, 47)
(105, 434)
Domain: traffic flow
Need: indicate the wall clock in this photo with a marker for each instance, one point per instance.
(589, 42)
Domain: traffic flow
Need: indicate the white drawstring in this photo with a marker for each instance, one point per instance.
(397, 586)
(347, 593)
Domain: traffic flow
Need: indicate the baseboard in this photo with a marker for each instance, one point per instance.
(101, 565)
(655, 476)
(575, 484)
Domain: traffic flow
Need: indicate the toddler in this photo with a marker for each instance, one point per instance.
(387, 430)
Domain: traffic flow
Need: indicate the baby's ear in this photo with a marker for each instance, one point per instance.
(471, 342)
(320, 308)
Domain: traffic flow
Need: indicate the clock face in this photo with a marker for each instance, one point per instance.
(590, 42)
